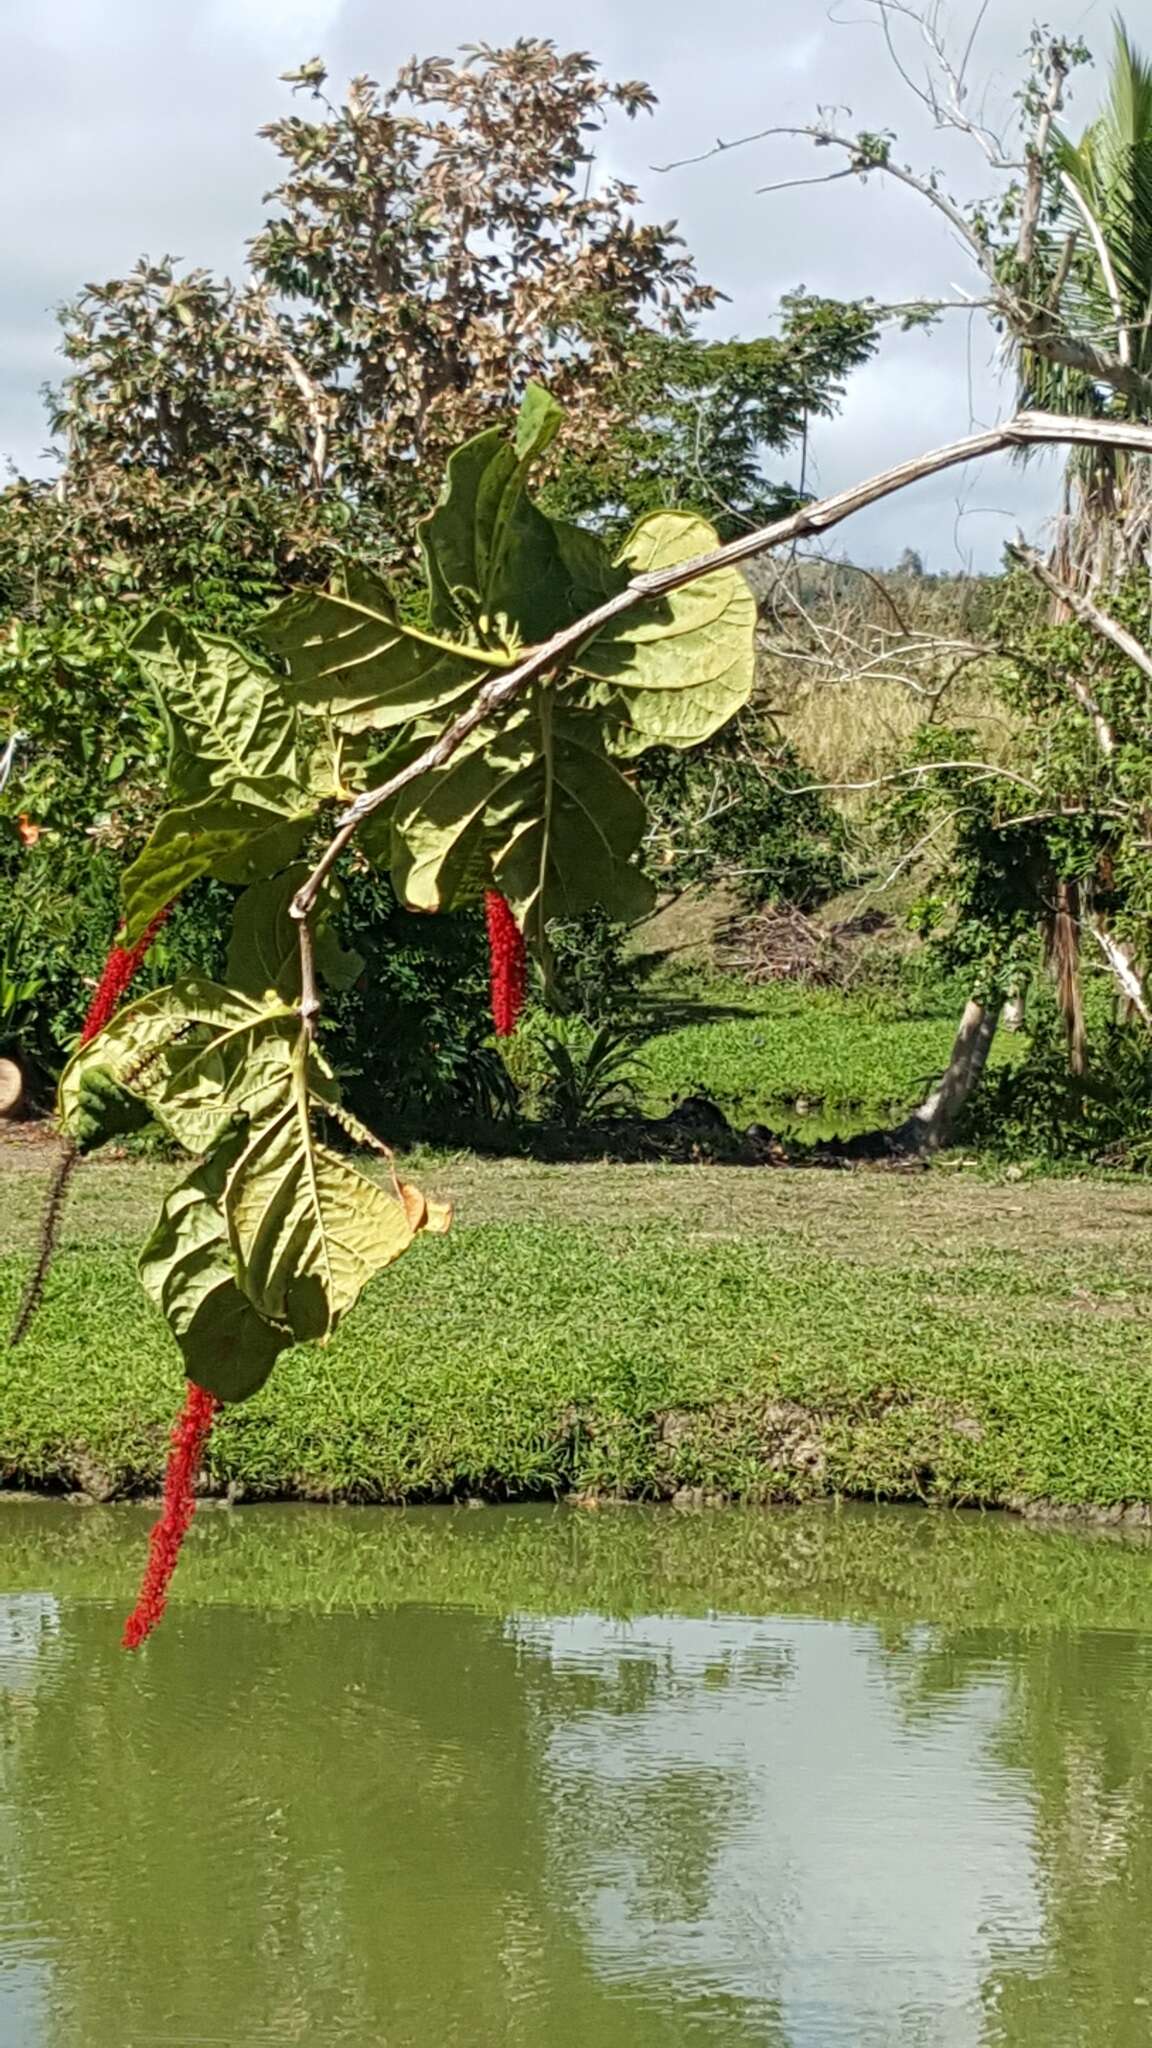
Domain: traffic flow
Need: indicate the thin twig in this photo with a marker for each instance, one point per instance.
(49, 1231)
(1031, 323)
(988, 771)
(906, 860)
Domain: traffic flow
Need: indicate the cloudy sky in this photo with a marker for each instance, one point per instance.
(128, 126)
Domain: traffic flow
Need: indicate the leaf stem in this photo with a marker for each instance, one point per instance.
(309, 994)
(548, 753)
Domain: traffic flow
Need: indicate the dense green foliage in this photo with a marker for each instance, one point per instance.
(1036, 867)
(743, 812)
(1039, 1110)
(696, 420)
(313, 404)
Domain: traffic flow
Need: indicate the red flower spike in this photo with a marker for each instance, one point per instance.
(189, 1436)
(194, 1423)
(119, 970)
(507, 963)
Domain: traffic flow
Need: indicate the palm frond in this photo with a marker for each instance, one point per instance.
(1111, 169)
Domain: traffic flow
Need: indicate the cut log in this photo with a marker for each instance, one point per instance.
(11, 1088)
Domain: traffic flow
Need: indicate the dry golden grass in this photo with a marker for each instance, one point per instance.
(856, 731)
(852, 666)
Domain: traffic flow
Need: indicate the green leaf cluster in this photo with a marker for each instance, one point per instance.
(538, 802)
(271, 1238)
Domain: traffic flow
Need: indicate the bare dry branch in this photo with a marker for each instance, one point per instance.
(1032, 324)
(987, 771)
(1124, 973)
(1038, 155)
(317, 402)
(947, 109)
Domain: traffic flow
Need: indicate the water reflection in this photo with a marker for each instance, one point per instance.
(577, 1819)
(770, 1829)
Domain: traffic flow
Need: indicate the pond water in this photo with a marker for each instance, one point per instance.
(542, 1777)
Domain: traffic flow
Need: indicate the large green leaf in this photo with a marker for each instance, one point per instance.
(198, 1055)
(187, 1268)
(438, 823)
(538, 422)
(638, 719)
(230, 727)
(351, 658)
(264, 950)
(307, 1230)
(498, 569)
(677, 669)
(565, 830)
(543, 803)
(235, 842)
(102, 1110)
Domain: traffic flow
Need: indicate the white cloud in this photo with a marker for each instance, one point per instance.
(284, 26)
(131, 127)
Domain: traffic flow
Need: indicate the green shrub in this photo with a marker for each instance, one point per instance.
(738, 810)
(1037, 1109)
(591, 1076)
(594, 977)
(412, 1036)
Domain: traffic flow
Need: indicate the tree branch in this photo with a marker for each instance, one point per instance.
(317, 402)
(988, 771)
(1025, 430)
(1030, 323)
(950, 113)
(1123, 971)
(1038, 156)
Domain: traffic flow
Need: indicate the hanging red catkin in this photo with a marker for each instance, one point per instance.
(192, 1427)
(189, 1436)
(507, 963)
(119, 970)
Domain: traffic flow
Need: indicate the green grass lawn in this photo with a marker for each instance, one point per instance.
(853, 1052)
(639, 1331)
